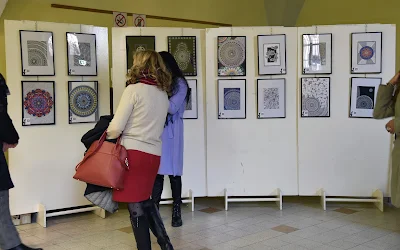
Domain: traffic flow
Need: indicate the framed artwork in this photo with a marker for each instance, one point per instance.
(138, 43)
(315, 97)
(183, 48)
(272, 55)
(271, 98)
(37, 53)
(38, 103)
(83, 102)
(366, 52)
(317, 54)
(363, 96)
(81, 54)
(191, 111)
(232, 99)
(231, 56)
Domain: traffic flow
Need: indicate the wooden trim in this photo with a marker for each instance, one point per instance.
(68, 7)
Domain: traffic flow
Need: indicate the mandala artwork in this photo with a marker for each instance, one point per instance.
(365, 97)
(183, 48)
(38, 103)
(83, 101)
(83, 58)
(272, 55)
(37, 53)
(315, 97)
(366, 54)
(138, 43)
(232, 99)
(271, 98)
(231, 56)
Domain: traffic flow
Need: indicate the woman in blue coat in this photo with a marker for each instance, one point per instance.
(172, 140)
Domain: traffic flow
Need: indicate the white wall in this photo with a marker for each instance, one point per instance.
(345, 156)
(44, 162)
(251, 157)
(194, 173)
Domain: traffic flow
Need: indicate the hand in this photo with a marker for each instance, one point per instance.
(7, 146)
(396, 78)
(390, 127)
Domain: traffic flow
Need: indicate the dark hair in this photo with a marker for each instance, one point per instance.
(175, 71)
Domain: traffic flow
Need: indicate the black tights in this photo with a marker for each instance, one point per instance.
(140, 225)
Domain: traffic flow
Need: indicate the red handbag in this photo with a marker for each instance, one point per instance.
(104, 164)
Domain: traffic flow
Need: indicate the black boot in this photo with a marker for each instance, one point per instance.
(23, 247)
(176, 186)
(157, 226)
(140, 226)
(158, 189)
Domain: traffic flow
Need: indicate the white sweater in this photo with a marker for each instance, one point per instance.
(140, 118)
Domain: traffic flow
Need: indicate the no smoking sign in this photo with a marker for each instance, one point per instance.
(120, 19)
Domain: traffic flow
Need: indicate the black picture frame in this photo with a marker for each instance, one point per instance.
(197, 103)
(169, 39)
(96, 83)
(301, 98)
(302, 55)
(127, 48)
(24, 123)
(351, 53)
(23, 70)
(245, 99)
(350, 96)
(245, 58)
(284, 91)
(95, 54)
(258, 55)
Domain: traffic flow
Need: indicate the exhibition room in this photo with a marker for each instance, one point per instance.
(199, 125)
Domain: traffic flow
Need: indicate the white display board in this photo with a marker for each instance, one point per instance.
(345, 156)
(251, 157)
(44, 162)
(194, 170)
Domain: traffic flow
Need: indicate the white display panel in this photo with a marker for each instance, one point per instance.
(194, 162)
(251, 157)
(344, 156)
(42, 172)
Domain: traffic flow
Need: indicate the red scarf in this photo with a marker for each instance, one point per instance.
(146, 78)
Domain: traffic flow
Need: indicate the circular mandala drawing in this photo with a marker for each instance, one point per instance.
(231, 53)
(83, 101)
(37, 53)
(364, 102)
(232, 99)
(140, 48)
(38, 103)
(313, 107)
(366, 52)
(182, 56)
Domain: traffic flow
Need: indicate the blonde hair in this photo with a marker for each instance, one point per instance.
(150, 63)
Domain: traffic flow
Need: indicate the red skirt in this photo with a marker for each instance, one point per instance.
(139, 180)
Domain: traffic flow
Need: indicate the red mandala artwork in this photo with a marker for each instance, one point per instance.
(38, 103)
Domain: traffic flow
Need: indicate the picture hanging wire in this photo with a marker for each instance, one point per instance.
(36, 28)
(270, 30)
(80, 30)
(181, 31)
(140, 31)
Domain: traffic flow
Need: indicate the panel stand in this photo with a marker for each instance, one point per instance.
(277, 199)
(188, 200)
(43, 214)
(376, 198)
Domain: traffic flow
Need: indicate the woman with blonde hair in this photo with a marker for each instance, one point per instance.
(139, 120)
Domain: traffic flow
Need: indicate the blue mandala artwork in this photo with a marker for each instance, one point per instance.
(366, 53)
(232, 99)
(83, 101)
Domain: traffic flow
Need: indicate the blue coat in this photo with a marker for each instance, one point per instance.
(172, 137)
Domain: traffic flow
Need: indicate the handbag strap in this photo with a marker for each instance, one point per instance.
(101, 141)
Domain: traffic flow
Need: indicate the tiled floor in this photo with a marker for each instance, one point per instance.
(244, 226)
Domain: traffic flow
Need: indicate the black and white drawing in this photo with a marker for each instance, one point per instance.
(191, 111)
(363, 96)
(317, 54)
(366, 52)
(272, 55)
(37, 53)
(81, 54)
(231, 99)
(271, 98)
(83, 102)
(315, 97)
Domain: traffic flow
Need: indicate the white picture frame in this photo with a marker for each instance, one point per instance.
(81, 54)
(363, 96)
(366, 53)
(271, 98)
(37, 53)
(83, 102)
(317, 54)
(271, 54)
(232, 99)
(191, 111)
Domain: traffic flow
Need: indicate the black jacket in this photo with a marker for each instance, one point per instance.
(90, 137)
(8, 134)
